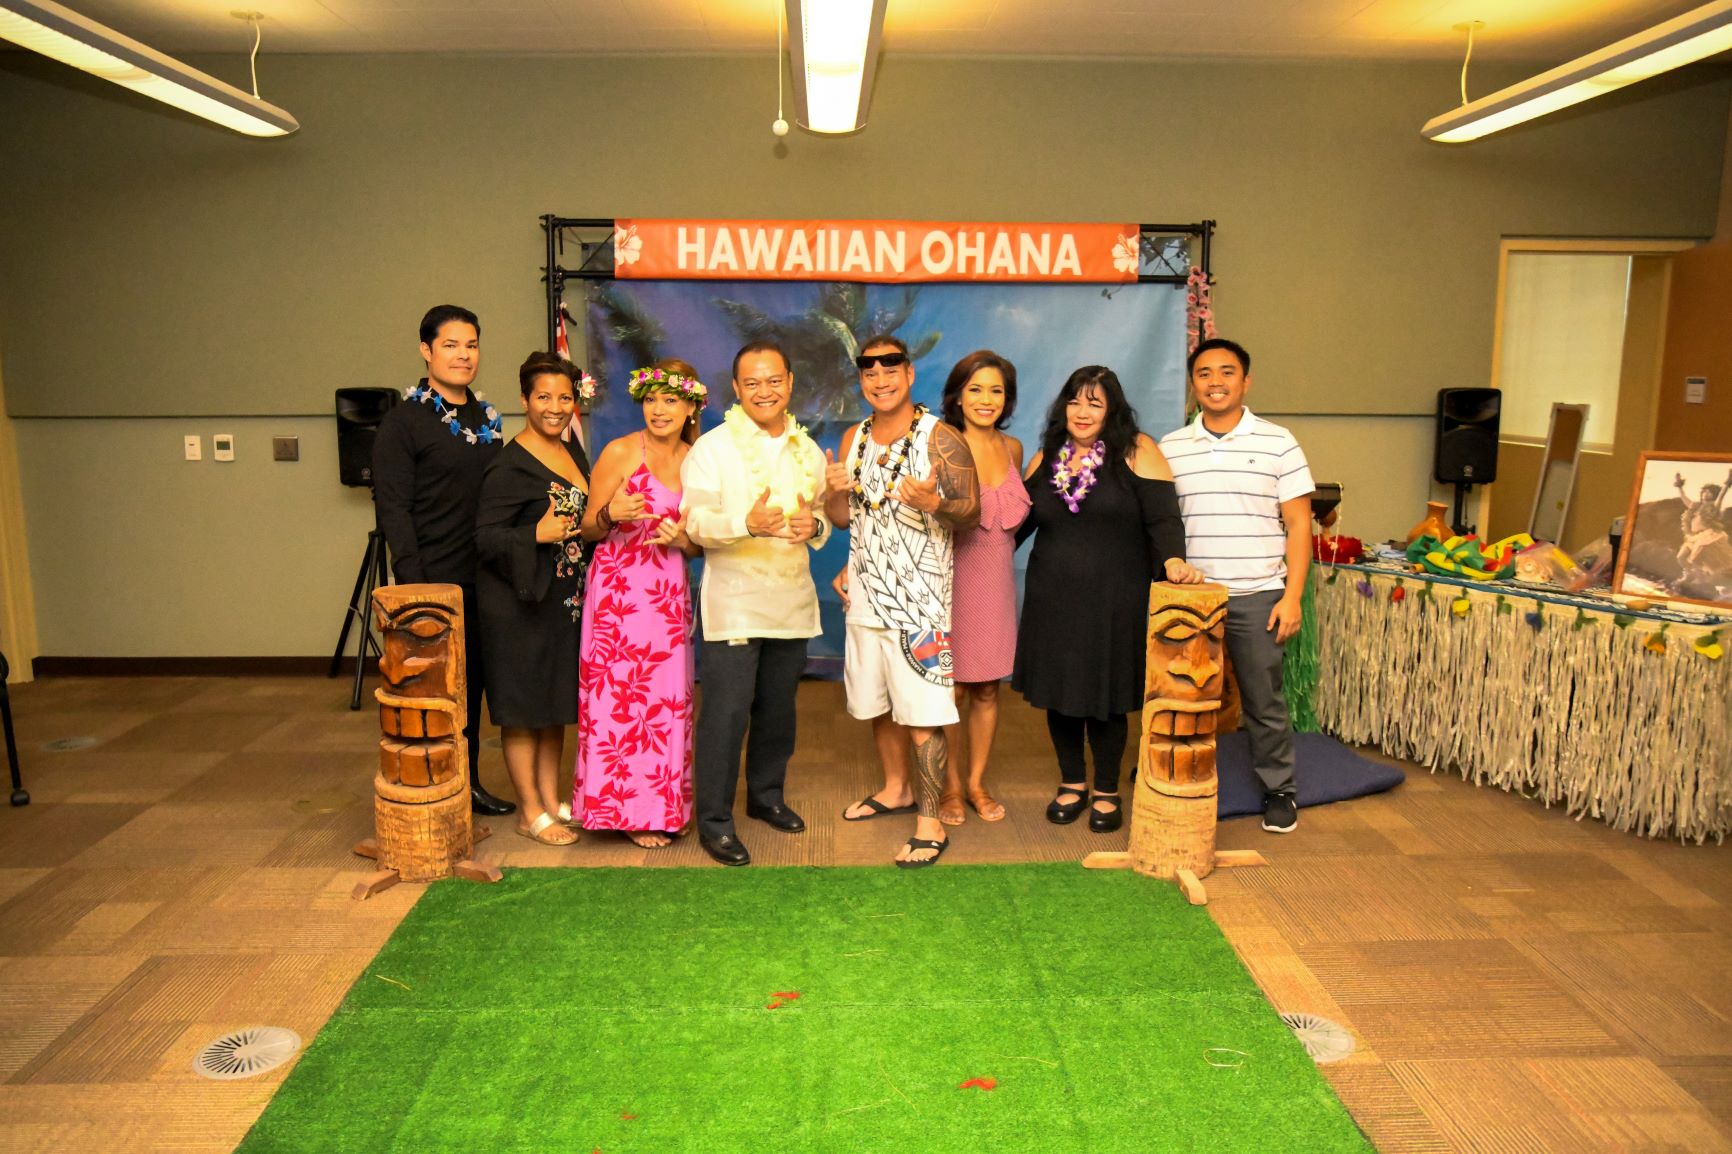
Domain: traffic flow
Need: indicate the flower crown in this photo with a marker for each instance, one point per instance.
(682, 386)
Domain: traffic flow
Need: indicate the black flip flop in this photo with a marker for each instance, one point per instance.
(879, 809)
(924, 843)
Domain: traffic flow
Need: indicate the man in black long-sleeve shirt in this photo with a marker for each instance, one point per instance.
(428, 458)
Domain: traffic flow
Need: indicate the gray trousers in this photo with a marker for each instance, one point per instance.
(750, 685)
(1262, 706)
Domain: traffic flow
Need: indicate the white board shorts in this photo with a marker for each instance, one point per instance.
(880, 675)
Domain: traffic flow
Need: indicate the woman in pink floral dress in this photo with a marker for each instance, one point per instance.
(634, 767)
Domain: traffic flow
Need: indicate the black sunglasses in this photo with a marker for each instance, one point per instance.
(887, 360)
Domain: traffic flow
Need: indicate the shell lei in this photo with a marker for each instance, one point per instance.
(750, 440)
(903, 449)
(1083, 475)
(493, 430)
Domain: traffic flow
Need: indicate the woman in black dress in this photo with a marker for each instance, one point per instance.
(530, 590)
(1105, 521)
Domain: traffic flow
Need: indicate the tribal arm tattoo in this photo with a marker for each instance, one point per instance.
(958, 483)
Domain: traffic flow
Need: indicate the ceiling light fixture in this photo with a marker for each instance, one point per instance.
(45, 27)
(1696, 35)
(834, 45)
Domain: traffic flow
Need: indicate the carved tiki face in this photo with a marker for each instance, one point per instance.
(1182, 693)
(422, 701)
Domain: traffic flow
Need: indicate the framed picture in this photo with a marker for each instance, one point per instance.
(1677, 542)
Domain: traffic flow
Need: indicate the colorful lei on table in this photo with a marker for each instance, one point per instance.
(643, 381)
(1072, 479)
(903, 448)
(493, 430)
(750, 440)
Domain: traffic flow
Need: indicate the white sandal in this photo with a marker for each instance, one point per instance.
(540, 826)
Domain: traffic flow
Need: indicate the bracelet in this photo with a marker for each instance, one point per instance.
(605, 519)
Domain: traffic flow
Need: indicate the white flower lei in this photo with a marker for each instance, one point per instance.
(749, 438)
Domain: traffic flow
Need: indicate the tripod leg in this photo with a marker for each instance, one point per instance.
(356, 605)
(370, 581)
(19, 796)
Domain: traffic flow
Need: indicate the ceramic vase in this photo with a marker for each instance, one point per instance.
(1434, 524)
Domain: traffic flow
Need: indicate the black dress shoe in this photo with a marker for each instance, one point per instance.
(1106, 821)
(777, 817)
(485, 804)
(727, 849)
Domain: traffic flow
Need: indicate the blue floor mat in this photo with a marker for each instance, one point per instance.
(1326, 770)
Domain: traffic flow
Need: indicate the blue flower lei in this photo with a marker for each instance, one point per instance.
(493, 431)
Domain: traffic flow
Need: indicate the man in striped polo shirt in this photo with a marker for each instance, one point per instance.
(1245, 494)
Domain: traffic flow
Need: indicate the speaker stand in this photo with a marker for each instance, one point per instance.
(20, 796)
(1457, 522)
(360, 614)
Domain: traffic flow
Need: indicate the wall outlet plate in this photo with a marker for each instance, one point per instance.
(222, 446)
(285, 448)
(193, 447)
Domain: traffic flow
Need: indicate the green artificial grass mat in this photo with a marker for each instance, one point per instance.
(625, 1010)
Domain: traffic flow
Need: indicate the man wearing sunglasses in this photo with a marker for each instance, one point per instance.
(903, 483)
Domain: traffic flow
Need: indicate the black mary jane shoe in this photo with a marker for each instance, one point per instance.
(1106, 821)
(1064, 814)
(485, 804)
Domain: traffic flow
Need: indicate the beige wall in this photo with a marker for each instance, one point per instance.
(159, 268)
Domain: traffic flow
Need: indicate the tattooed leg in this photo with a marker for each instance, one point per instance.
(931, 757)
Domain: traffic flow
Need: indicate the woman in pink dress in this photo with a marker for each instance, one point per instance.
(979, 398)
(634, 728)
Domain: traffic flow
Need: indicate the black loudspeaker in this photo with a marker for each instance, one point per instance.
(359, 412)
(1466, 436)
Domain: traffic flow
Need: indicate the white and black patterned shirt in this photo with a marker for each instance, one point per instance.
(899, 559)
(1230, 493)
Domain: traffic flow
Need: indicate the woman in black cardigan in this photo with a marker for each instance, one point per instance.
(1105, 521)
(530, 590)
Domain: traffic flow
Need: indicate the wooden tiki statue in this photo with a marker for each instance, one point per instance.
(1173, 811)
(421, 807)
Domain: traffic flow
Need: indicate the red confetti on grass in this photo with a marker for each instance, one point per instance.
(775, 1005)
(625, 1117)
(788, 995)
(979, 1084)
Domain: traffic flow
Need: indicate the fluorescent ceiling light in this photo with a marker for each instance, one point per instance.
(46, 27)
(1694, 36)
(834, 47)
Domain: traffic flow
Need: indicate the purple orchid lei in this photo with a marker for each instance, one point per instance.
(1083, 474)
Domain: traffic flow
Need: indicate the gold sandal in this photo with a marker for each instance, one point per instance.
(980, 799)
(563, 835)
(949, 815)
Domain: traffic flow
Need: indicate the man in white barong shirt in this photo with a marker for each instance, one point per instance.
(753, 497)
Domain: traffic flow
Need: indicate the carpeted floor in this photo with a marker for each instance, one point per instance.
(621, 1010)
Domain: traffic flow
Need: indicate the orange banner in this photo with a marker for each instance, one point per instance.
(874, 250)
